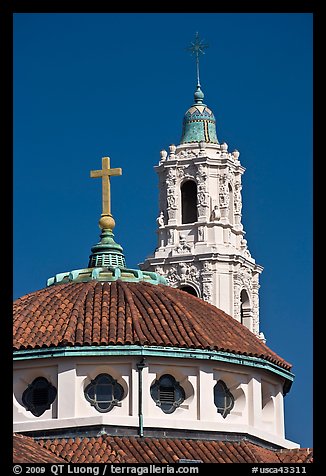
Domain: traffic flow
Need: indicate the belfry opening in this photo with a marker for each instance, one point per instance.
(189, 289)
(189, 202)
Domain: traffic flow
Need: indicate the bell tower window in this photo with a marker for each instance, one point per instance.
(189, 202)
(245, 310)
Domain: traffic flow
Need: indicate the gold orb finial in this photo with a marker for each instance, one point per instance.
(106, 222)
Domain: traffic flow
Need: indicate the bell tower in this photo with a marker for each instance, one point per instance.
(201, 244)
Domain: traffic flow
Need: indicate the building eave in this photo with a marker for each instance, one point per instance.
(157, 351)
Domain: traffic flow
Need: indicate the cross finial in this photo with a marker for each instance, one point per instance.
(106, 220)
(197, 47)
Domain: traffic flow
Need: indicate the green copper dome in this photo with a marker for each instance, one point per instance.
(199, 123)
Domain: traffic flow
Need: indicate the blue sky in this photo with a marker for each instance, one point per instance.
(118, 84)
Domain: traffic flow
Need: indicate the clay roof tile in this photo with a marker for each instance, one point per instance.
(95, 313)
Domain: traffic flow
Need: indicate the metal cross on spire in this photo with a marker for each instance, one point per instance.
(197, 47)
(105, 173)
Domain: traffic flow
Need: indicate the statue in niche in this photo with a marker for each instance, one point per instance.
(215, 214)
(160, 219)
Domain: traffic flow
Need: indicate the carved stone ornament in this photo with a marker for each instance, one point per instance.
(202, 199)
(172, 213)
(236, 300)
(187, 154)
(224, 200)
(182, 272)
(183, 246)
(172, 276)
(206, 266)
(207, 291)
(237, 198)
(170, 237)
(245, 276)
(180, 173)
(159, 270)
(201, 175)
(170, 179)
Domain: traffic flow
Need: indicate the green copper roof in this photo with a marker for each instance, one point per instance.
(199, 123)
(107, 252)
(106, 273)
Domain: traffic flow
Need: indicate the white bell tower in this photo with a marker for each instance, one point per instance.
(201, 245)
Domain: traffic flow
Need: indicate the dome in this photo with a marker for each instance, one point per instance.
(123, 313)
(199, 123)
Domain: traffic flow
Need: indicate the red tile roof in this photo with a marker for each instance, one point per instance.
(27, 450)
(114, 449)
(300, 455)
(103, 313)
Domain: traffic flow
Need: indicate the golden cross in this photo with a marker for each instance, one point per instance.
(106, 173)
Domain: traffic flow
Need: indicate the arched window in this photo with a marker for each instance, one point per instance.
(39, 396)
(189, 289)
(167, 393)
(104, 392)
(223, 399)
(231, 205)
(189, 202)
(245, 309)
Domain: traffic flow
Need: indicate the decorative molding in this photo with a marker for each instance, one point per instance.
(118, 350)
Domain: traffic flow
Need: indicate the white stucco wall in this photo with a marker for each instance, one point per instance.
(258, 407)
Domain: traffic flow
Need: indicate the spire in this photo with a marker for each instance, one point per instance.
(107, 252)
(199, 123)
(197, 47)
